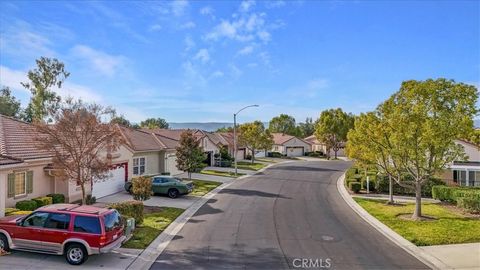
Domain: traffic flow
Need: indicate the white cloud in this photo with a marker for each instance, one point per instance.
(202, 55)
(235, 71)
(275, 4)
(188, 25)
(246, 5)
(155, 27)
(178, 7)
(189, 43)
(207, 11)
(217, 74)
(264, 36)
(13, 78)
(245, 50)
(102, 62)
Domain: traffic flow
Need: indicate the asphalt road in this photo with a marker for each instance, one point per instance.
(290, 216)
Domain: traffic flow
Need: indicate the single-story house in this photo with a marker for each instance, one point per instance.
(227, 138)
(465, 173)
(289, 145)
(322, 147)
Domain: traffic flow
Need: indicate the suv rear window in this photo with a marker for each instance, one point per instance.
(87, 225)
(112, 221)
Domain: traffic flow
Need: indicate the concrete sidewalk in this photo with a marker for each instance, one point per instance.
(206, 177)
(396, 198)
(229, 169)
(460, 256)
(183, 202)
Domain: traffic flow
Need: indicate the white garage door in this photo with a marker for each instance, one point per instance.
(294, 151)
(172, 165)
(112, 184)
(240, 154)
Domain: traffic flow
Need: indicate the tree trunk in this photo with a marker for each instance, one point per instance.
(190, 176)
(253, 156)
(335, 153)
(417, 214)
(390, 189)
(84, 201)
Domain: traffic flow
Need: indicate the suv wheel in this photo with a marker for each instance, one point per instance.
(173, 193)
(4, 243)
(76, 254)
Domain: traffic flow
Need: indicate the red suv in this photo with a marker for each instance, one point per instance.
(64, 229)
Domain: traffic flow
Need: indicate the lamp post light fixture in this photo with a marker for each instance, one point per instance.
(235, 135)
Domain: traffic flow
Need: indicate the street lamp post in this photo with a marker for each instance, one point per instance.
(235, 135)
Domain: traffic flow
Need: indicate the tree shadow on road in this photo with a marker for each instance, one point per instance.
(248, 192)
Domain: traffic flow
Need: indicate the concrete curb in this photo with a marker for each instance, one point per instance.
(406, 245)
(146, 259)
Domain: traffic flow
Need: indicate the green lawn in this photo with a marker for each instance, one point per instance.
(245, 165)
(266, 160)
(450, 227)
(153, 225)
(220, 173)
(202, 187)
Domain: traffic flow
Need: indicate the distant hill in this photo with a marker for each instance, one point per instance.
(208, 126)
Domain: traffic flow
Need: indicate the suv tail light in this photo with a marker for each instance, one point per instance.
(103, 240)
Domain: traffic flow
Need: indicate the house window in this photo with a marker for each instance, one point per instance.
(20, 183)
(138, 166)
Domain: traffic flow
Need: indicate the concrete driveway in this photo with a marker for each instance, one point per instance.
(119, 259)
(158, 200)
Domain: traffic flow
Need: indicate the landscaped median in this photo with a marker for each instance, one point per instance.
(202, 187)
(245, 165)
(221, 173)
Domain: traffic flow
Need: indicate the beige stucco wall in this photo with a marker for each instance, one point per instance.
(152, 161)
(471, 151)
(43, 184)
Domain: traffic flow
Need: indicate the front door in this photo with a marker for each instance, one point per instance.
(29, 234)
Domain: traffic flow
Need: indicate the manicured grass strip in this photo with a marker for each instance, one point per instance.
(249, 166)
(202, 187)
(449, 227)
(221, 173)
(153, 225)
(266, 160)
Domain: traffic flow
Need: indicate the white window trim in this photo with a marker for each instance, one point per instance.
(133, 166)
(15, 195)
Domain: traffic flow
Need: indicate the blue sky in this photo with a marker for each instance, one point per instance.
(202, 61)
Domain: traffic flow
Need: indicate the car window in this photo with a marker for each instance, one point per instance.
(87, 224)
(156, 180)
(36, 219)
(58, 221)
(164, 180)
(112, 221)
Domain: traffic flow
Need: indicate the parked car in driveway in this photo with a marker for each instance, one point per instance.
(167, 185)
(64, 229)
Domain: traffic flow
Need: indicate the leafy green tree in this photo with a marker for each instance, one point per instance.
(44, 101)
(9, 105)
(306, 128)
(475, 137)
(225, 129)
(332, 129)
(190, 155)
(284, 124)
(121, 120)
(423, 119)
(254, 137)
(152, 123)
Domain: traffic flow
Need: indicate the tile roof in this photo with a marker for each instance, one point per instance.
(279, 138)
(312, 140)
(17, 141)
(139, 140)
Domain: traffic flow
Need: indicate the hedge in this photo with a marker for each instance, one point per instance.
(26, 205)
(382, 186)
(372, 185)
(9, 211)
(469, 202)
(19, 212)
(451, 194)
(274, 154)
(57, 197)
(42, 201)
(355, 186)
(129, 209)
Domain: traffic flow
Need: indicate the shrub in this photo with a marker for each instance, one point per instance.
(349, 180)
(443, 193)
(274, 154)
(141, 188)
(165, 173)
(89, 200)
(42, 201)
(469, 202)
(355, 186)
(248, 157)
(57, 197)
(382, 186)
(130, 209)
(371, 185)
(9, 211)
(26, 205)
(19, 212)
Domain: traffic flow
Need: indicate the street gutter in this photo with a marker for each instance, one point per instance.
(403, 243)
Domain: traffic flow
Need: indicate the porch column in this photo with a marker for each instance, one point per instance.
(3, 194)
(467, 180)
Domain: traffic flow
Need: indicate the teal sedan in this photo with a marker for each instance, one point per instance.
(167, 185)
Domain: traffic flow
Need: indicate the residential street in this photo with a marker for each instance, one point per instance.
(275, 219)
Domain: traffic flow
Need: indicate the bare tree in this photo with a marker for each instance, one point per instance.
(81, 140)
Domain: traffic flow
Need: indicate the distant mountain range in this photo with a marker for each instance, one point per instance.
(213, 126)
(208, 126)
